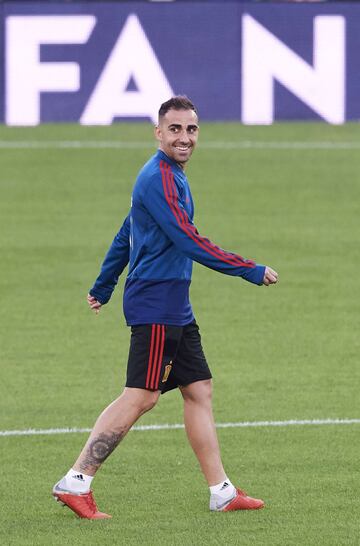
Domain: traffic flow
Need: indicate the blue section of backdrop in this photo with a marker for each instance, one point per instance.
(199, 48)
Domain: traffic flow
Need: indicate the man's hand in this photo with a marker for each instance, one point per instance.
(270, 276)
(94, 303)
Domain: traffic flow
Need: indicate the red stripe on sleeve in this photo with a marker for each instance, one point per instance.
(227, 257)
(163, 168)
(182, 219)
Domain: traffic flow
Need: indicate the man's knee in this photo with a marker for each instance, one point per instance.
(200, 391)
(150, 400)
(142, 399)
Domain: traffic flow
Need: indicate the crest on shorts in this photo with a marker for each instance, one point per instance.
(167, 372)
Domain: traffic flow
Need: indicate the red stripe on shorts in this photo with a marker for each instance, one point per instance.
(150, 362)
(162, 343)
(156, 356)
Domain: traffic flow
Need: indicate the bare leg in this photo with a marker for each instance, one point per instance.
(111, 427)
(200, 429)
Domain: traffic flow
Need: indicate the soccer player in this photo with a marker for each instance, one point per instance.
(160, 242)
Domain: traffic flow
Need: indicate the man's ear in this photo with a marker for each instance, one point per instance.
(157, 132)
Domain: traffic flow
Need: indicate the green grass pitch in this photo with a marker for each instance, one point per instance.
(279, 353)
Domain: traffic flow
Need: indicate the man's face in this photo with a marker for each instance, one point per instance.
(177, 134)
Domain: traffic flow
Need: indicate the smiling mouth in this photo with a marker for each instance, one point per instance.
(183, 148)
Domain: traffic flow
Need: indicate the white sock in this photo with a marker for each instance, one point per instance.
(225, 489)
(76, 482)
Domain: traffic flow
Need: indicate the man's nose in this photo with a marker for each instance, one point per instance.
(184, 137)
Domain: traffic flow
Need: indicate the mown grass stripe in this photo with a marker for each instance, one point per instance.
(244, 424)
(218, 145)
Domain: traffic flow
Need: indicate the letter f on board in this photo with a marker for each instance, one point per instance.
(26, 75)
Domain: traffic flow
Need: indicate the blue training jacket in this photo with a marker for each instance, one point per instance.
(159, 241)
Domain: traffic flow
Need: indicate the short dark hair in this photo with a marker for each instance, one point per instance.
(179, 102)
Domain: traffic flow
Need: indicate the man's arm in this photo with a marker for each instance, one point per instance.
(164, 204)
(114, 263)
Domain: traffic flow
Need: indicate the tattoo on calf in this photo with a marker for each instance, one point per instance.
(100, 448)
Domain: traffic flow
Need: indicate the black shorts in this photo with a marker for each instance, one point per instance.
(162, 357)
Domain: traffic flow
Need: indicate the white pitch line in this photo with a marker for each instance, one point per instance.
(215, 145)
(244, 424)
(73, 144)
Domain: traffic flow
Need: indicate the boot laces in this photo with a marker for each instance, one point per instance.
(91, 502)
(242, 493)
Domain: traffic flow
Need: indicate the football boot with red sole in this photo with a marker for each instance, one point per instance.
(241, 501)
(83, 504)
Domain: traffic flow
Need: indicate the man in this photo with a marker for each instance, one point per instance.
(159, 241)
